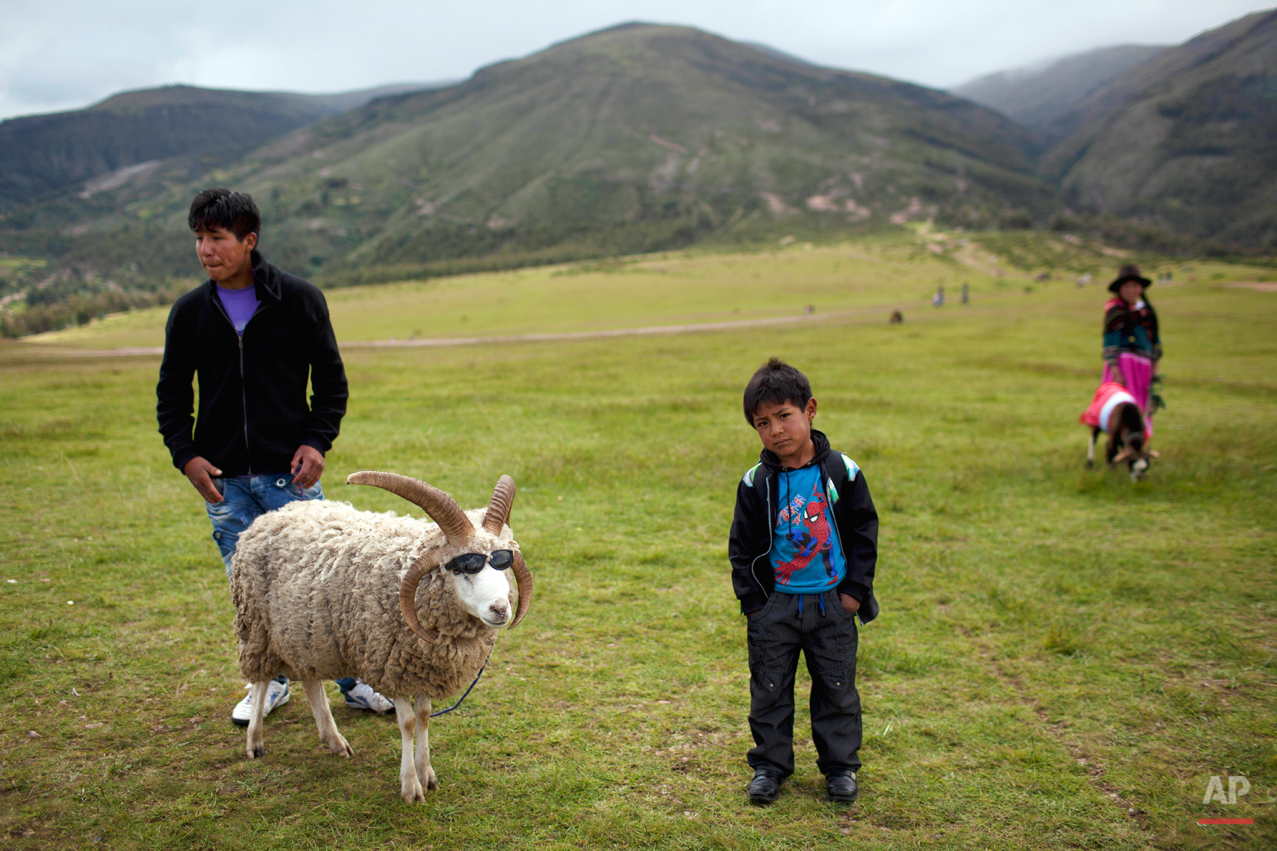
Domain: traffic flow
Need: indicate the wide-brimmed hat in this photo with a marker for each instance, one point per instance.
(1129, 273)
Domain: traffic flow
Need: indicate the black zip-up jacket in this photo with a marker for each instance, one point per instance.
(253, 414)
(757, 510)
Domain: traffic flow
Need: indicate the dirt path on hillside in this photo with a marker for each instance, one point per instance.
(881, 312)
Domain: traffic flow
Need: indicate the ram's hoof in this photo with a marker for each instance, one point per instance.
(339, 746)
(413, 794)
(1089, 463)
(255, 753)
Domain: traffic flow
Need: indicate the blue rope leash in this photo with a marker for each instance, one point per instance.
(467, 694)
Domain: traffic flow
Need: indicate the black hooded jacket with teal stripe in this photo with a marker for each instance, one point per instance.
(758, 507)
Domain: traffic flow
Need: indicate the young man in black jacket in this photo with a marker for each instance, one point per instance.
(803, 546)
(254, 336)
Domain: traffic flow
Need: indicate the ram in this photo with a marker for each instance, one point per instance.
(322, 590)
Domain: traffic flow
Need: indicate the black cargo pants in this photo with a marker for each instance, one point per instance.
(821, 628)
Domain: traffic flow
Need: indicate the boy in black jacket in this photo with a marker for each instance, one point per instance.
(803, 545)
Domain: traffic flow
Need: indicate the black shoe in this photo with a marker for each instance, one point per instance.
(765, 787)
(841, 786)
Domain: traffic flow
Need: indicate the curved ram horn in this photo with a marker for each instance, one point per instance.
(442, 508)
(524, 578)
(1122, 456)
(408, 596)
(499, 508)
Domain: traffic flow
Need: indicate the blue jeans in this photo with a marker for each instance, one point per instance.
(243, 501)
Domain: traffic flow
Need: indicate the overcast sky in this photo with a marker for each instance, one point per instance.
(64, 54)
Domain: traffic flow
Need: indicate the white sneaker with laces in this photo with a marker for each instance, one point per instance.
(276, 695)
(363, 697)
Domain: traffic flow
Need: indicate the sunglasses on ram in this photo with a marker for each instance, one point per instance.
(472, 563)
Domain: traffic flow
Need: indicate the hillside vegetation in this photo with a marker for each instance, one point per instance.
(633, 139)
(1187, 140)
(128, 134)
(644, 138)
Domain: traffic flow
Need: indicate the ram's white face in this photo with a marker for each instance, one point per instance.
(485, 594)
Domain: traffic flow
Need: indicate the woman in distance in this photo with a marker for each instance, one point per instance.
(1132, 345)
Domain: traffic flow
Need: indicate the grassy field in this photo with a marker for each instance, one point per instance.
(868, 278)
(1064, 659)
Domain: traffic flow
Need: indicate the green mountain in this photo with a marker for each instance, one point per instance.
(1039, 95)
(630, 139)
(1186, 141)
(44, 153)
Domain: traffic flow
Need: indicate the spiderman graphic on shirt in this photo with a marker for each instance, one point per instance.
(810, 538)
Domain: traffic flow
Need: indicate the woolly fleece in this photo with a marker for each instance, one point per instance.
(316, 592)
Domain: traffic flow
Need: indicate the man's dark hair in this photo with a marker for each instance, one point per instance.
(775, 383)
(222, 208)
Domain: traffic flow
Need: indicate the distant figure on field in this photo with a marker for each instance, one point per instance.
(937, 300)
(254, 336)
(896, 317)
(1132, 345)
(803, 546)
(966, 294)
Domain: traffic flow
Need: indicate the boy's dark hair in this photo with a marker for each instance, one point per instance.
(222, 208)
(775, 383)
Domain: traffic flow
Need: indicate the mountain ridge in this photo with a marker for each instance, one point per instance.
(1038, 95)
(1187, 140)
(647, 137)
(628, 139)
(48, 152)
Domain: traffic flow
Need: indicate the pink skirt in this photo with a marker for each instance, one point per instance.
(1138, 372)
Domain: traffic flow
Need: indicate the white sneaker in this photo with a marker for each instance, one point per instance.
(276, 695)
(363, 697)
